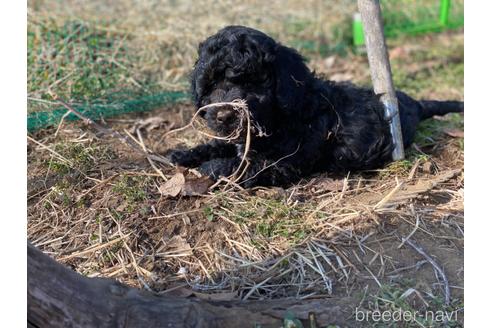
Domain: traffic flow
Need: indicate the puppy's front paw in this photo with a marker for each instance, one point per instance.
(181, 157)
(219, 167)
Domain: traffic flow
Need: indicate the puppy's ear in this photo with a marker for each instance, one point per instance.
(194, 88)
(292, 78)
(197, 77)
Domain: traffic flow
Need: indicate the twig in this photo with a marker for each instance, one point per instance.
(61, 123)
(386, 198)
(273, 164)
(237, 105)
(416, 265)
(373, 276)
(93, 249)
(60, 157)
(115, 134)
(255, 288)
(326, 280)
(139, 134)
(103, 182)
(440, 271)
(412, 232)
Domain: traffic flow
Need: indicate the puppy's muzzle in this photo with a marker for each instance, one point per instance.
(225, 115)
(220, 115)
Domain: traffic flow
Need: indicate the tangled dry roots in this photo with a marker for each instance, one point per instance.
(244, 127)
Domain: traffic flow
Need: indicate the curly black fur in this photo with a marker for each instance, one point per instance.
(308, 124)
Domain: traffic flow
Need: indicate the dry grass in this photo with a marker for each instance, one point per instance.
(153, 45)
(91, 50)
(94, 203)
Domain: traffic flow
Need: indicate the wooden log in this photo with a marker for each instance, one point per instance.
(59, 297)
(377, 54)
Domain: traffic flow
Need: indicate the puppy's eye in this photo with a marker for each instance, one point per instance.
(262, 77)
(213, 85)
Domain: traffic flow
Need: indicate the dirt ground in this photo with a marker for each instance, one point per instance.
(371, 241)
(111, 221)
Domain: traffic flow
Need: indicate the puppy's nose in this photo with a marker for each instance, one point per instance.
(224, 115)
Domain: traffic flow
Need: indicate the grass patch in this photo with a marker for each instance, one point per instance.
(132, 188)
(270, 218)
(429, 80)
(77, 156)
(430, 130)
(422, 309)
(209, 213)
(398, 168)
(83, 62)
(430, 71)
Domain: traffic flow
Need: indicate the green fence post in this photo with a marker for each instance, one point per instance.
(357, 31)
(444, 12)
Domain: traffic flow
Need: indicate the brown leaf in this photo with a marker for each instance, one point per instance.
(427, 167)
(176, 244)
(455, 133)
(149, 124)
(330, 185)
(329, 62)
(340, 77)
(173, 186)
(398, 52)
(273, 192)
(197, 186)
(186, 219)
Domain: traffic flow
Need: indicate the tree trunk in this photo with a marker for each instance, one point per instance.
(59, 297)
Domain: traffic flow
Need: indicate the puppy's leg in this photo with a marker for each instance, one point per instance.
(219, 167)
(266, 172)
(195, 156)
(260, 172)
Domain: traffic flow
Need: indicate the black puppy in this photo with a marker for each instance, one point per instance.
(303, 124)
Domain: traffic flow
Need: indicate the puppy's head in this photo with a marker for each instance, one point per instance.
(242, 63)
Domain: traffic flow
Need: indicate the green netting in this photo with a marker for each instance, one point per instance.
(90, 66)
(43, 119)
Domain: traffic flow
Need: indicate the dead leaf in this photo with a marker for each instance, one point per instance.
(408, 192)
(455, 133)
(398, 52)
(427, 167)
(177, 244)
(273, 192)
(198, 203)
(461, 192)
(195, 187)
(329, 62)
(340, 77)
(186, 219)
(173, 186)
(330, 185)
(149, 124)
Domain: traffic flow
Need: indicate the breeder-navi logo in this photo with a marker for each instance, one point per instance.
(404, 316)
